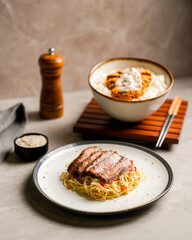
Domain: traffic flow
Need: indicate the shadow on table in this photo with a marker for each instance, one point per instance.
(48, 210)
(34, 116)
(15, 160)
(151, 146)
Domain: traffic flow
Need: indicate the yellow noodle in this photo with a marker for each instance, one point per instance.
(97, 190)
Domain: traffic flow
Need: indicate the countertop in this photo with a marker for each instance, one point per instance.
(25, 214)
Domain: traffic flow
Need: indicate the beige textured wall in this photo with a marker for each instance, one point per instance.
(86, 32)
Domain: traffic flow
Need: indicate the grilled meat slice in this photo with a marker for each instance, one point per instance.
(94, 156)
(107, 163)
(104, 165)
(128, 95)
(72, 168)
(122, 166)
(102, 157)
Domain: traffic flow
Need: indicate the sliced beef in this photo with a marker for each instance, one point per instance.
(122, 166)
(107, 163)
(102, 157)
(72, 168)
(104, 165)
(94, 156)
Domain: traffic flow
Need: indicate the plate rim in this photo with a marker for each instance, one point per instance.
(132, 145)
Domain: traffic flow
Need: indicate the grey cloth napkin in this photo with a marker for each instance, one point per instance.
(12, 123)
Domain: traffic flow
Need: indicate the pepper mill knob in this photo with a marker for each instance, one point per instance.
(51, 99)
(51, 51)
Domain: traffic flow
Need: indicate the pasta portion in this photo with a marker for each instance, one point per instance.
(96, 189)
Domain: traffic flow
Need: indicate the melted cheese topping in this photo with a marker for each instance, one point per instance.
(129, 80)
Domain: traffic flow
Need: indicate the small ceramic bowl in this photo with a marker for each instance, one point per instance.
(129, 111)
(31, 146)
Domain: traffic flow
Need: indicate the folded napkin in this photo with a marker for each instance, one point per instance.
(12, 123)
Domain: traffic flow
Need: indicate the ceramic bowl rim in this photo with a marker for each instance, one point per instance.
(100, 64)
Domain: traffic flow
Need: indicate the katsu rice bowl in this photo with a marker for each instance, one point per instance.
(130, 89)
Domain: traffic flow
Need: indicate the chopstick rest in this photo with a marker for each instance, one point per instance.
(172, 112)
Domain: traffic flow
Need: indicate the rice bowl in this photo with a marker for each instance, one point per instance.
(156, 87)
(141, 107)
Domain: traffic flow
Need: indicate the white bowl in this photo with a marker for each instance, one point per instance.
(129, 111)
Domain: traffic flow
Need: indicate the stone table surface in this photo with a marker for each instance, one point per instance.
(25, 214)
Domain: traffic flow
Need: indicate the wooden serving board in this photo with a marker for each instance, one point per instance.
(94, 121)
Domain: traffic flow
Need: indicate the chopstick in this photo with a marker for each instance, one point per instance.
(172, 112)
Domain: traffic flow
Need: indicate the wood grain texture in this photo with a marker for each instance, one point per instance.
(94, 121)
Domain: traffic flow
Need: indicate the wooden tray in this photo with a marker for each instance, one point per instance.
(94, 121)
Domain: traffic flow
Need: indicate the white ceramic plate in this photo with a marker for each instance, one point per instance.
(46, 176)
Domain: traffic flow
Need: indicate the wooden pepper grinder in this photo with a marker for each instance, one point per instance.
(51, 99)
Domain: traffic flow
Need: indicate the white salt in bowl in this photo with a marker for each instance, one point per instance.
(128, 111)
